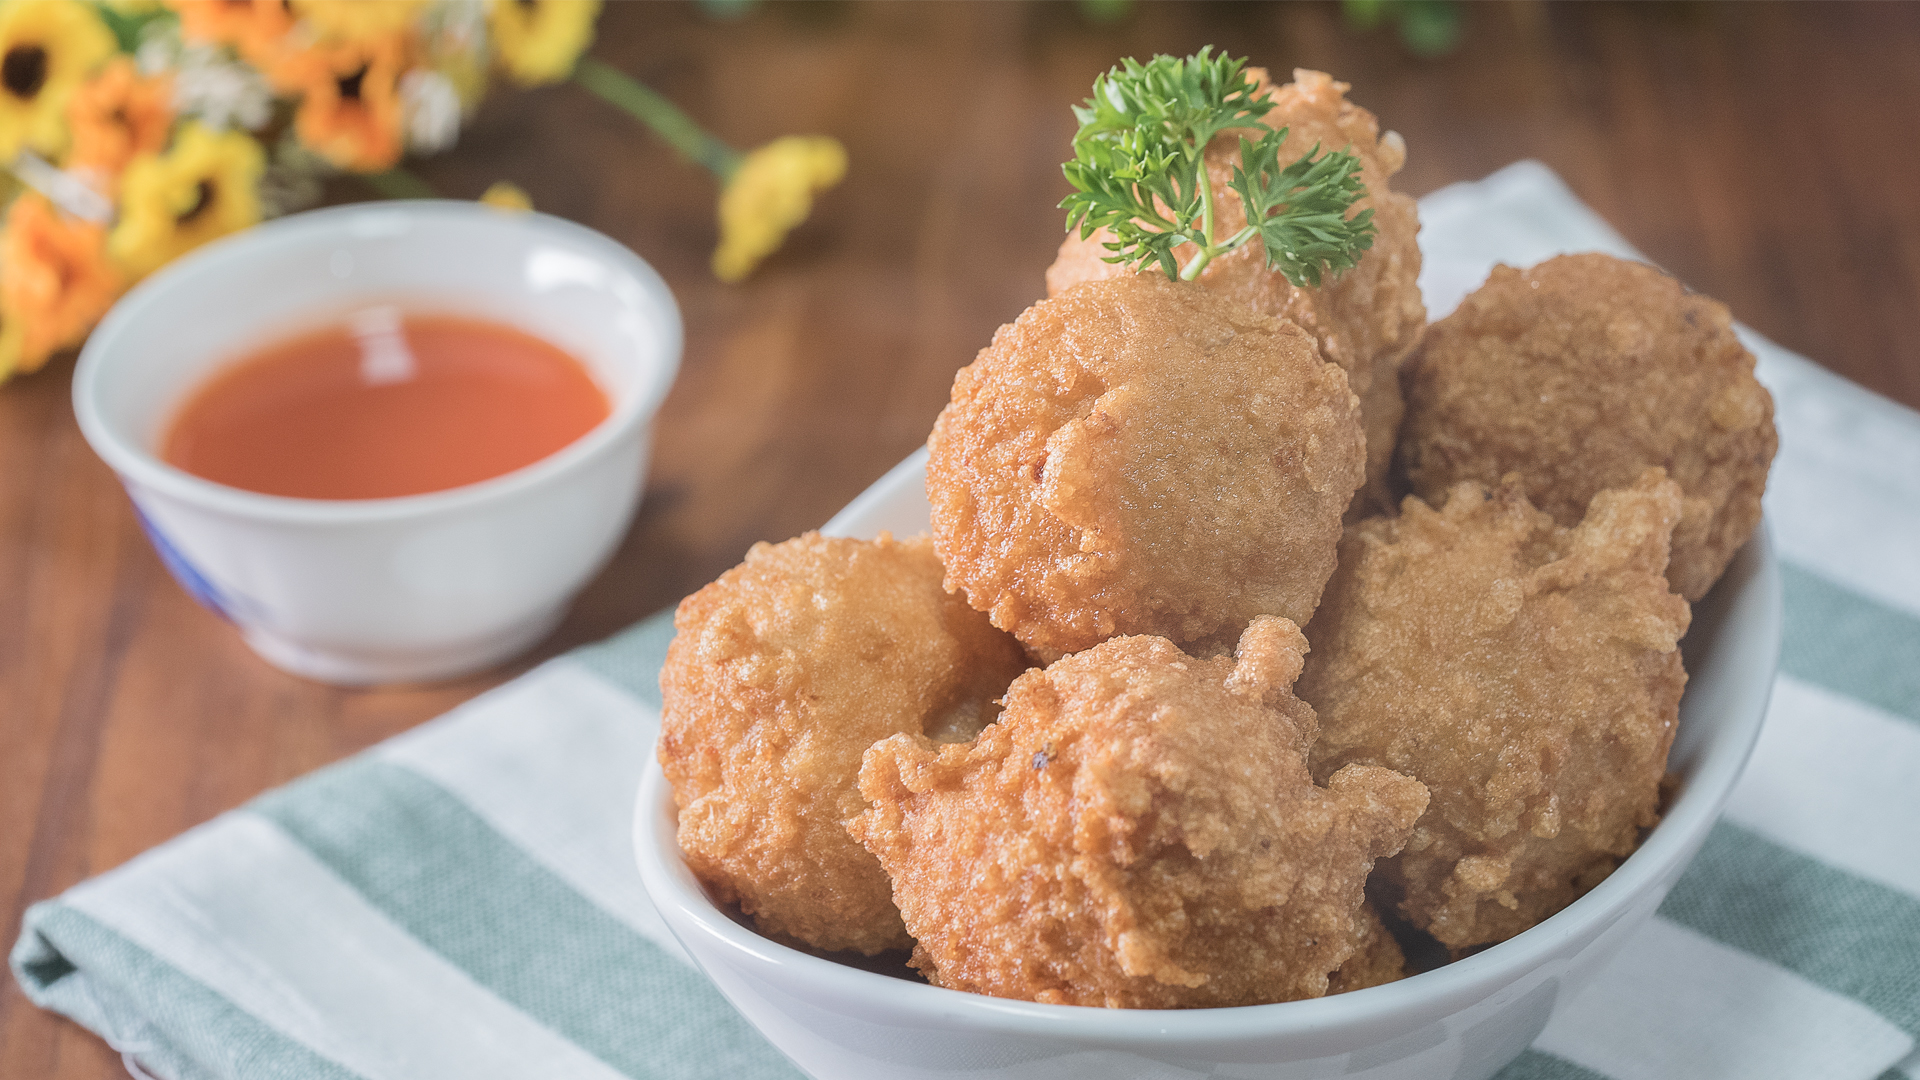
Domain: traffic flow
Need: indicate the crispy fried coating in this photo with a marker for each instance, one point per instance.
(1367, 319)
(1377, 958)
(1528, 674)
(1140, 456)
(1578, 374)
(782, 673)
(1137, 830)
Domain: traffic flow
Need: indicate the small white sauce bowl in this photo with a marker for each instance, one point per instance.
(1464, 1021)
(407, 589)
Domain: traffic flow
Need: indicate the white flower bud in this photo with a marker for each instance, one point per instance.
(432, 110)
(220, 92)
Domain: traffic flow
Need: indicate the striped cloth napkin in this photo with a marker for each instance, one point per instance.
(461, 901)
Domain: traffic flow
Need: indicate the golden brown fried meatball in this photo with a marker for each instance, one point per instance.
(1140, 456)
(1137, 830)
(1376, 960)
(1526, 673)
(1578, 374)
(1366, 319)
(783, 672)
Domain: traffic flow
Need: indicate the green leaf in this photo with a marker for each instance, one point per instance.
(1105, 11)
(1300, 211)
(1363, 14)
(1138, 168)
(1139, 172)
(1429, 27)
(129, 27)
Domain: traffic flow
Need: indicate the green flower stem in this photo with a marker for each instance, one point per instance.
(1207, 249)
(1196, 264)
(398, 183)
(618, 89)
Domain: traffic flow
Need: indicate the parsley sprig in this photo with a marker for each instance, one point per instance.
(1139, 171)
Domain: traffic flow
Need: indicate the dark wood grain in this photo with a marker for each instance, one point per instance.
(1762, 152)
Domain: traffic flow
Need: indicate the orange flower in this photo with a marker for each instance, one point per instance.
(117, 115)
(55, 282)
(257, 29)
(357, 20)
(350, 111)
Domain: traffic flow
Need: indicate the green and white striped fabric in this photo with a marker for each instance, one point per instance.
(461, 901)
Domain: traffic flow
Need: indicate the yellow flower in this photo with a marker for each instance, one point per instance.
(358, 20)
(204, 188)
(47, 48)
(504, 195)
(466, 69)
(55, 283)
(350, 108)
(770, 193)
(115, 116)
(12, 348)
(539, 42)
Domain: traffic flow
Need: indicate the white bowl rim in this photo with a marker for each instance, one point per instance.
(140, 466)
(1423, 998)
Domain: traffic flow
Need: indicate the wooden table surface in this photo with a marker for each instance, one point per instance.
(1762, 152)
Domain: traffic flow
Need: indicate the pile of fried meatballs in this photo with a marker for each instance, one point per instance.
(1261, 628)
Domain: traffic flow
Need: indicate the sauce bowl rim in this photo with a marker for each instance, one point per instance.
(142, 466)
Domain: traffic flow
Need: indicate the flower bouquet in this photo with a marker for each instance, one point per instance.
(134, 131)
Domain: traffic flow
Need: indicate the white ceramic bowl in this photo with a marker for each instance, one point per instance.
(1464, 1020)
(386, 590)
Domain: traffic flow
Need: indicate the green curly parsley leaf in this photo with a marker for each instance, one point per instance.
(1301, 210)
(1139, 171)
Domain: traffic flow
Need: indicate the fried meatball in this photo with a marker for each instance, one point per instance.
(1366, 319)
(1141, 456)
(1137, 830)
(1377, 958)
(1528, 674)
(781, 675)
(1580, 373)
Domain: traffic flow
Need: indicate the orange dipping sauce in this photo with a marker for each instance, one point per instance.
(386, 405)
